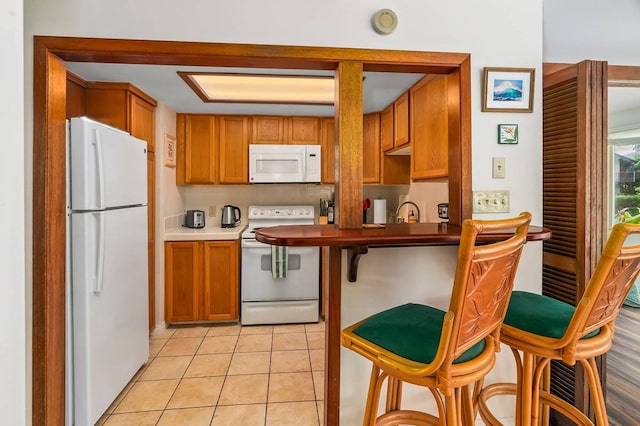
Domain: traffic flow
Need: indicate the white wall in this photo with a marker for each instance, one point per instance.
(12, 216)
(496, 33)
(575, 30)
(170, 201)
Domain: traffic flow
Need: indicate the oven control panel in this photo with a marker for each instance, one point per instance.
(281, 212)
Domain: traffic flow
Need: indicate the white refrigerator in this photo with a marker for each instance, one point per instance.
(107, 305)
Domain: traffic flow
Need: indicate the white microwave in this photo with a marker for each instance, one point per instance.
(284, 163)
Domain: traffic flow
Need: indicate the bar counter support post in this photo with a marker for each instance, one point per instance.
(332, 336)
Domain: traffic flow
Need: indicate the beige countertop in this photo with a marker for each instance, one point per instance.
(212, 232)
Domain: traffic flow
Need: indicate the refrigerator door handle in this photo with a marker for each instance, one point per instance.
(97, 142)
(98, 279)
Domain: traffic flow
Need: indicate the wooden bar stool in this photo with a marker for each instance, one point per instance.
(444, 351)
(542, 328)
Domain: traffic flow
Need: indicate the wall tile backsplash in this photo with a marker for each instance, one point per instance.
(202, 197)
(174, 222)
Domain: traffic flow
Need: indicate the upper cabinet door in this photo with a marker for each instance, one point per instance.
(107, 103)
(328, 149)
(371, 148)
(142, 122)
(401, 120)
(386, 129)
(303, 131)
(197, 143)
(267, 129)
(233, 148)
(429, 129)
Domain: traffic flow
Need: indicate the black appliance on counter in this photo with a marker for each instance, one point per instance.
(194, 219)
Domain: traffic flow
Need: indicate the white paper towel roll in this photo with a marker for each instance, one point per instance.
(379, 211)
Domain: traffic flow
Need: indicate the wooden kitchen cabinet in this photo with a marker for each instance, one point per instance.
(398, 168)
(394, 169)
(328, 150)
(429, 128)
(267, 129)
(233, 145)
(303, 130)
(143, 121)
(212, 149)
(182, 277)
(401, 115)
(395, 124)
(371, 148)
(197, 150)
(201, 281)
(220, 281)
(76, 88)
(120, 105)
(386, 129)
(124, 106)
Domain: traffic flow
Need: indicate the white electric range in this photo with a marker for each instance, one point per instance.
(280, 300)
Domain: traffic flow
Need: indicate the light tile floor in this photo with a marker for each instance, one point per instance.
(227, 375)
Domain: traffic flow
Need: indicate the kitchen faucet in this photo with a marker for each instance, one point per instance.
(408, 202)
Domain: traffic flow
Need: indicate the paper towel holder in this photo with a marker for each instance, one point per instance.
(379, 211)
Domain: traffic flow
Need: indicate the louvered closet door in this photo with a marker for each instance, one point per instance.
(574, 196)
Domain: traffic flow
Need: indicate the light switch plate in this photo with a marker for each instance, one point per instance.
(212, 211)
(498, 167)
(491, 201)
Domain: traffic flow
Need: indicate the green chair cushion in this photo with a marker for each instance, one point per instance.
(540, 315)
(411, 331)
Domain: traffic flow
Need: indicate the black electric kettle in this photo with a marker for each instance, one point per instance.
(230, 216)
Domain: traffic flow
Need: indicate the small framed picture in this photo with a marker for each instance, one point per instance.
(508, 133)
(508, 90)
(169, 151)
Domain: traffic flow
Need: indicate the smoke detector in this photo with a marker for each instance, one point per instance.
(384, 21)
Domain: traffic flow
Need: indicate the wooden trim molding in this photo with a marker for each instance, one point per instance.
(624, 75)
(49, 223)
(247, 55)
(50, 54)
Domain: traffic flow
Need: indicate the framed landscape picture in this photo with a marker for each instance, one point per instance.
(508, 89)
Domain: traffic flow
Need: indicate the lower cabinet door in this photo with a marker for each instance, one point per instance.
(201, 281)
(182, 280)
(220, 280)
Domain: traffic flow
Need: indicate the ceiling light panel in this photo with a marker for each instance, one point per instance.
(262, 88)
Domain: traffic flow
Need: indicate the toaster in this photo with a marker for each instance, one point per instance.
(194, 219)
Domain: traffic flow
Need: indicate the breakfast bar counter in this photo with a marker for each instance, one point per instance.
(357, 242)
(372, 235)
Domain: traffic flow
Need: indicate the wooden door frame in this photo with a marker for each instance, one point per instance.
(617, 76)
(49, 108)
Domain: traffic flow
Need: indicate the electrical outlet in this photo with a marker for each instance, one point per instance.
(491, 201)
(498, 167)
(212, 211)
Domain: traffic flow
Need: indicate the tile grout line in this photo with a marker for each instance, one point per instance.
(133, 382)
(180, 380)
(313, 382)
(266, 405)
(226, 374)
